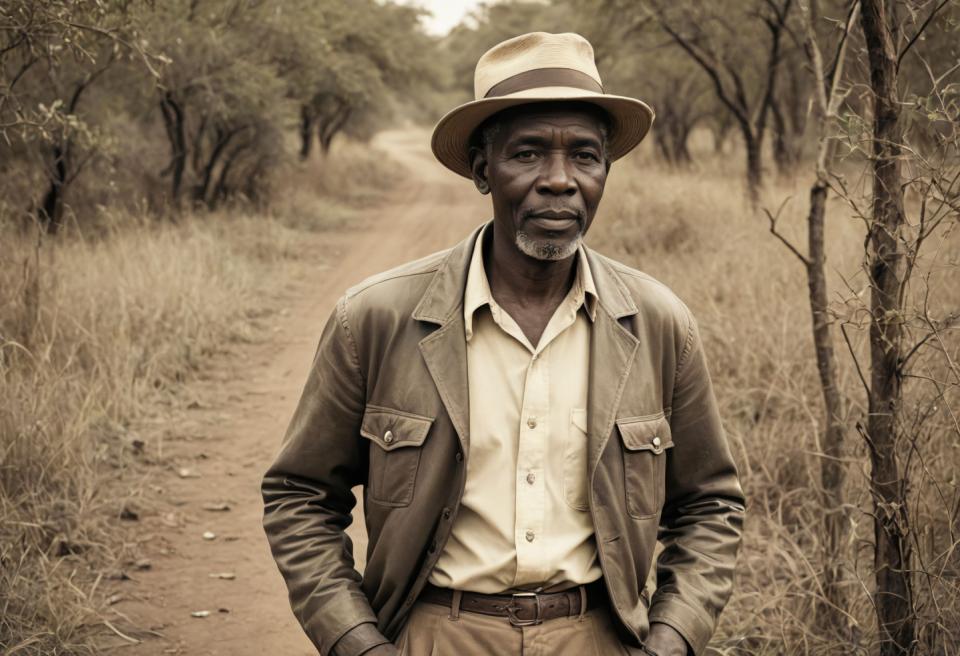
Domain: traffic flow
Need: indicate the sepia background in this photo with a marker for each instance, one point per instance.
(186, 186)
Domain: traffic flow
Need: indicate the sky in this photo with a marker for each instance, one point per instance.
(446, 13)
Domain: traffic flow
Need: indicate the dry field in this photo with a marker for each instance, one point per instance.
(106, 329)
(694, 231)
(100, 330)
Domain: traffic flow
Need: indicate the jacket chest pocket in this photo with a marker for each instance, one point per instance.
(645, 444)
(396, 442)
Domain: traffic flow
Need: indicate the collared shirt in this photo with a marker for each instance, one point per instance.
(524, 519)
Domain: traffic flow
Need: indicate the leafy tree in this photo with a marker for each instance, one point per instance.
(222, 103)
(743, 78)
(52, 53)
(369, 52)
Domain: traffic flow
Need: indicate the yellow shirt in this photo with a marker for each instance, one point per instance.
(524, 520)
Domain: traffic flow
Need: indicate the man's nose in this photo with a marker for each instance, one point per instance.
(556, 178)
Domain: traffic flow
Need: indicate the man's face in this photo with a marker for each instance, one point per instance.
(545, 171)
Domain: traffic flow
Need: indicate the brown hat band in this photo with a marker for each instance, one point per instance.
(544, 77)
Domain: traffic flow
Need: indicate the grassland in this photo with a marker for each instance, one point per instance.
(101, 327)
(694, 230)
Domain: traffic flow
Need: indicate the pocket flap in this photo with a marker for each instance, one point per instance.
(645, 434)
(394, 429)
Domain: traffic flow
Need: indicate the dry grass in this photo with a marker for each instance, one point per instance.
(94, 333)
(694, 231)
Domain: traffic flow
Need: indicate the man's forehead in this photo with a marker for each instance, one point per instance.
(550, 119)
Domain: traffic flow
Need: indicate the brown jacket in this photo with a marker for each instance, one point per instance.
(392, 357)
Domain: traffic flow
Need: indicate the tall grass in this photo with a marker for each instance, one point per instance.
(694, 230)
(100, 327)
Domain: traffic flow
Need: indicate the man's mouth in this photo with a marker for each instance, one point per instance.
(555, 220)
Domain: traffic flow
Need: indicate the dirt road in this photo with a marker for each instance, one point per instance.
(216, 453)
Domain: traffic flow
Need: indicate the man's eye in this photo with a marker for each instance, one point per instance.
(587, 156)
(526, 155)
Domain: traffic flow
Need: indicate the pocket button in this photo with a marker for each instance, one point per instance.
(388, 437)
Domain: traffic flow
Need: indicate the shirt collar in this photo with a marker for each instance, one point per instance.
(477, 292)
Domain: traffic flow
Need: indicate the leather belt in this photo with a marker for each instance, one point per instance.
(523, 608)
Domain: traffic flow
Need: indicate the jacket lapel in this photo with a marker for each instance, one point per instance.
(612, 352)
(444, 351)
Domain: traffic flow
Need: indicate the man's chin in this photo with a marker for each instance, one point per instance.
(547, 250)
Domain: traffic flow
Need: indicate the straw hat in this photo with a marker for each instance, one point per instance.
(532, 68)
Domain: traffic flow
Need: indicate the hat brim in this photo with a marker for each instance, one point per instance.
(630, 120)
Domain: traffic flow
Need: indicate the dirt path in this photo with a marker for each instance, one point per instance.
(220, 450)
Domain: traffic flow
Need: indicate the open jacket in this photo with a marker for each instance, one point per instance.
(392, 357)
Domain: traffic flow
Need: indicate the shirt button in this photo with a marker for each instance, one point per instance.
(530, 535)
(531, 477)
(446, 513)
(532, 422)
(459, 456)
(388, 437)
(656, 441)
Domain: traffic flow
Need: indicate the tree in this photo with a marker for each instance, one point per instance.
(830, 90)
(52, 54)
(637, 60)
(371, 52)
(220, 97)
(710, 35)
(886, 266)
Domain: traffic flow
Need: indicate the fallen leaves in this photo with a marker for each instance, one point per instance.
(200, 614)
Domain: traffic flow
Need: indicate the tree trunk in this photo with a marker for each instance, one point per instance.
(720, 129)
(753, 144)
(831, 611)
(51, 211)
(329, 128)
(885, 264)
(204, 191)
(175, 125)
(781, 140)
(307, 120)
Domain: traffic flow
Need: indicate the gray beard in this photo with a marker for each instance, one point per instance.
(544, 250)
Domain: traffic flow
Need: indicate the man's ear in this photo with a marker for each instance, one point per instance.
(478, 167)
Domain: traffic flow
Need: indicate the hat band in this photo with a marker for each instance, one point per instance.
(544, 77)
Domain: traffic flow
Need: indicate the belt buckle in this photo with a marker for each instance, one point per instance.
(511, 610)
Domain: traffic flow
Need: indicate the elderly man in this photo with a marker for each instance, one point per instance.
(527, 417)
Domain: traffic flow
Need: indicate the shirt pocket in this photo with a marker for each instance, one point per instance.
(396, 442)
(575, 461)
(645, 444)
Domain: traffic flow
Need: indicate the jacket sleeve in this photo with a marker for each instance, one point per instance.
(702, 518)
(308, 499)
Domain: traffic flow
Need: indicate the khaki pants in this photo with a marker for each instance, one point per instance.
(434, 630)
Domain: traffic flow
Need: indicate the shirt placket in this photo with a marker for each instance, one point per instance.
(531, 498)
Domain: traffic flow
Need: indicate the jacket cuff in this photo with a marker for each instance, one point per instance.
(359, 640)
(696, 626)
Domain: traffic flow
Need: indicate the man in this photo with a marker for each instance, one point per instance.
(526, 416)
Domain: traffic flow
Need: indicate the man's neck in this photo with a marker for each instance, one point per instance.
(520, 282)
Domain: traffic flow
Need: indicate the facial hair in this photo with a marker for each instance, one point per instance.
(546, 250)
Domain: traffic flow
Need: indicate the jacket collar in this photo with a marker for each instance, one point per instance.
(443, 298)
